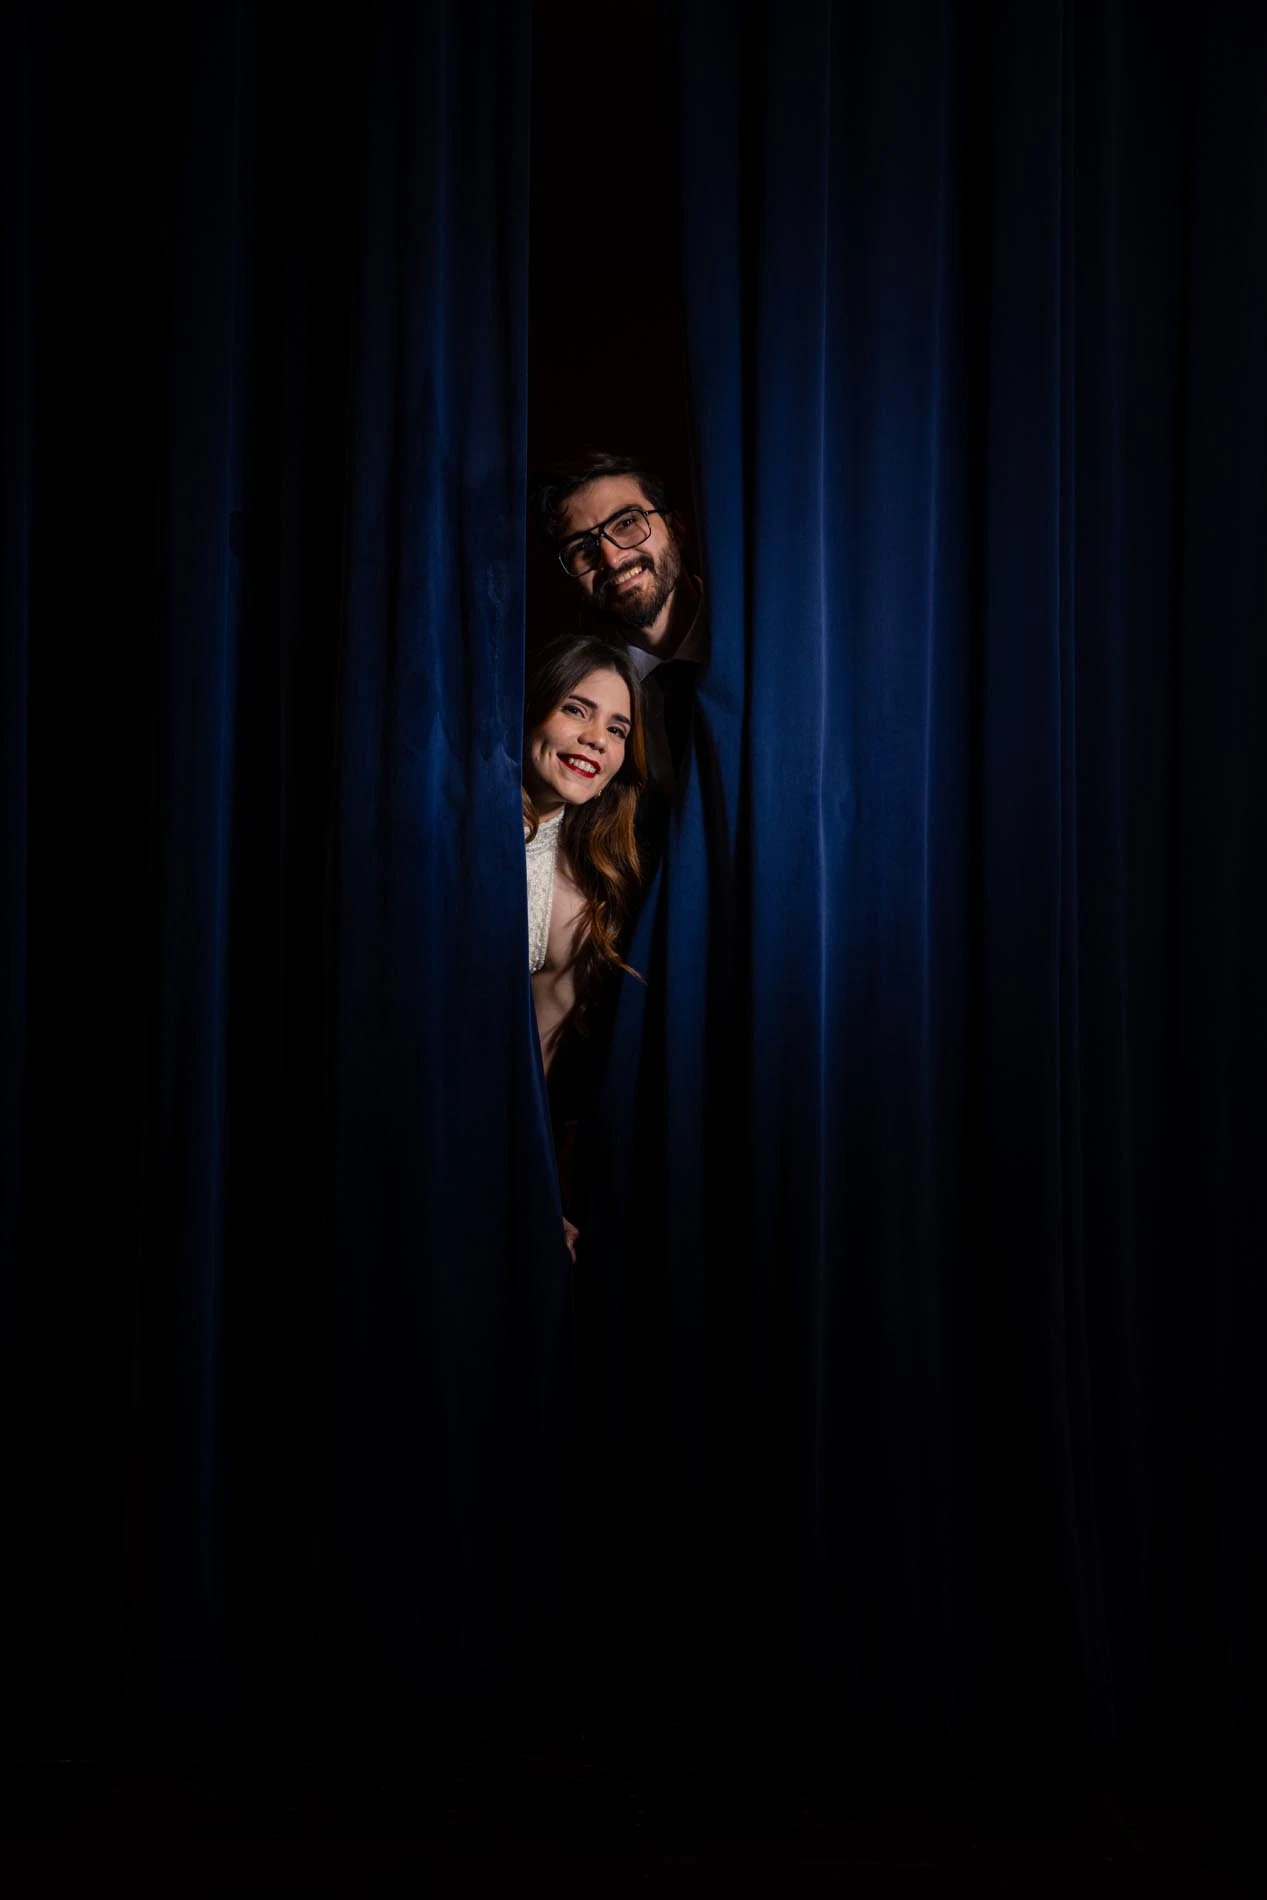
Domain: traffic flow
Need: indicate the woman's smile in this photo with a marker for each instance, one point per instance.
(584, 765)
(573, 756)
(575, 762)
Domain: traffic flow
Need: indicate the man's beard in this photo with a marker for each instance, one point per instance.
(642, 609)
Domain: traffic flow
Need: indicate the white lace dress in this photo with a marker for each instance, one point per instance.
(542, 854)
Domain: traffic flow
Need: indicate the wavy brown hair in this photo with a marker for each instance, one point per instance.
(597, 837)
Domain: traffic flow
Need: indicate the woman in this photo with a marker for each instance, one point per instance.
(584, 767)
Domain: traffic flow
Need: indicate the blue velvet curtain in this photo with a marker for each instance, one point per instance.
(917, 1317)
(928, 1347)
(287, 1310)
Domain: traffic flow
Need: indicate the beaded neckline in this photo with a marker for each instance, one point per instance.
(541, 855)
(547, 834)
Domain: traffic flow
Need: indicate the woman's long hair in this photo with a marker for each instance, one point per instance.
(597, 837)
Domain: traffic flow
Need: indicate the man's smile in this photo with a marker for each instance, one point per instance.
(625, 578)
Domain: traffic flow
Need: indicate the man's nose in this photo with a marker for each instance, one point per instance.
(610, 554)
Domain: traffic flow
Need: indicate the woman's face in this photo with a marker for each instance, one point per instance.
(576, 753)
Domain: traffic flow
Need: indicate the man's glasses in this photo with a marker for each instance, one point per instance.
(629, 529)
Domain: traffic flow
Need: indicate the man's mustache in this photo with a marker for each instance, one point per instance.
(623, 573)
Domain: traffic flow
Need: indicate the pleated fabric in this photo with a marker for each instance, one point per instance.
(942, 1251)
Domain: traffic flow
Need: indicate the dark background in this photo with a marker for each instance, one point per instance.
(606, 343)
(965, 1369)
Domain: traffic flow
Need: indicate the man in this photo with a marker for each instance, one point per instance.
(615, 532)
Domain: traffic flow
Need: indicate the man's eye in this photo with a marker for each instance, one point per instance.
(625, 521)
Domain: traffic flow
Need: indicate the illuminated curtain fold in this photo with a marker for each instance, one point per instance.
(929, 1370)
(921, 1289)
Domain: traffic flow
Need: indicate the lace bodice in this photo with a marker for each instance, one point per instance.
(542, 855)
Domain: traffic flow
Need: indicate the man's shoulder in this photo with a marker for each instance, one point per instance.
(692, 649)
(642, 662)
(695, 647)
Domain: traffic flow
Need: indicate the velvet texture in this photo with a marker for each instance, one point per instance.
(288, 1322)
(921, 1288)
(930, 1369)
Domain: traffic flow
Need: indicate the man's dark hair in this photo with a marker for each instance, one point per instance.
(560, 483)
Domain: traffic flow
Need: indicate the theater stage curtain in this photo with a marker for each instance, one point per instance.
(286, 1314)
(918, 1319)
(931, 1372)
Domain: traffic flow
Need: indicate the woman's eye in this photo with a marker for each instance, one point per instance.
(617, 732)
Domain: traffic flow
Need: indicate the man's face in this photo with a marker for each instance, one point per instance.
(630, 586)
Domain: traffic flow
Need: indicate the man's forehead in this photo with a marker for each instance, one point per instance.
(598, 501)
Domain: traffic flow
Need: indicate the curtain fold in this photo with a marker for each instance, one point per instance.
(948, 946)
(921, 1285)
(452, 1320)
(287, 1308)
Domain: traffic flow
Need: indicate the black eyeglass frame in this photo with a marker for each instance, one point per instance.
(594, 538)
